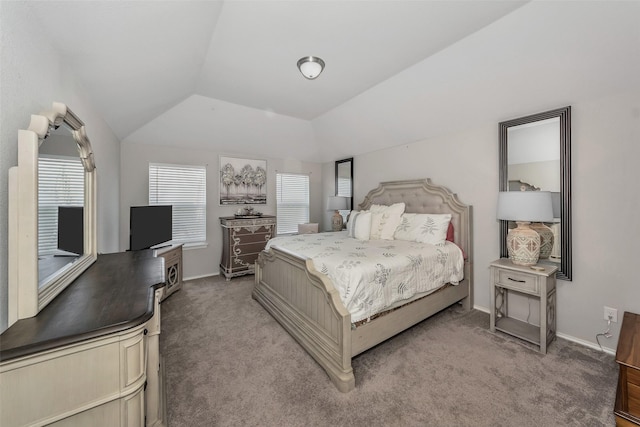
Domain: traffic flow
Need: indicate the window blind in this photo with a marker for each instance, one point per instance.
(292, 196)
(60, 183)
(344, 189)
(344, 186)
(185, 188)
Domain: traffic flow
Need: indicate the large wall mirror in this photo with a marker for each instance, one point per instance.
(344, 179)
(535, 155)
(52, 214)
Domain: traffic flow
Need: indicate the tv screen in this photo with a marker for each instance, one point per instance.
(149, 226)
(71, 229)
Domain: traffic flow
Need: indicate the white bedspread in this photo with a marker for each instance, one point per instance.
(372, 275)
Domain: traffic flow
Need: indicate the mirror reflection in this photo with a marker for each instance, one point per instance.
(533, 159)
(344, 183)
(60, 205)
(535, 155)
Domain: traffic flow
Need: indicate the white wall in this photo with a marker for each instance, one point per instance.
(33, 76)
(605, 198)
(199, 262)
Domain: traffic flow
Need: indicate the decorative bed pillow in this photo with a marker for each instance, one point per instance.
(424, 228)
(359, 225)
(385, 220)
(451, 233)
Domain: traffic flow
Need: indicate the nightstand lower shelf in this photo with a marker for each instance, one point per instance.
(519, 329)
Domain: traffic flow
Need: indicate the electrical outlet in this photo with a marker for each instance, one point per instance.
(611, 313)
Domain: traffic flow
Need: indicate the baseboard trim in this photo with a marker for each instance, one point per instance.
(202, 276)
(585, 343)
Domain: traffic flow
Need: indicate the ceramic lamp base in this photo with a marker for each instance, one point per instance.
(337, 222)
(523, 244)
(546, 239)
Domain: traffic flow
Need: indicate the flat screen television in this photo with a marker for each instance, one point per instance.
(149, 226)
(71, 229)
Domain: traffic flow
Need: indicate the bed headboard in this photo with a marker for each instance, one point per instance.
(421, 196)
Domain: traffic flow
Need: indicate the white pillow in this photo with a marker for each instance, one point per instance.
(385, 220)
(423, 228)
(378, 208)
(359, 225)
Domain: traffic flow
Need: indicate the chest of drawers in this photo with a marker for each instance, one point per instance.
(242, 240)
(627, 407)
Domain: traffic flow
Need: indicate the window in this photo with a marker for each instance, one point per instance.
(292, 194)
(185, 188)
(60, 183)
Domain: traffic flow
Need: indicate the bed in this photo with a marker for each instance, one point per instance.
(308, 306)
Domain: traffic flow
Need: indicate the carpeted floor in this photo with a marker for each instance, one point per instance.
(229, 363)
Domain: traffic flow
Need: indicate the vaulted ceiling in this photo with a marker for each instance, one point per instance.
(222, 75)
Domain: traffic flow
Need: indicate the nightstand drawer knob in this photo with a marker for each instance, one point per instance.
(516, 280)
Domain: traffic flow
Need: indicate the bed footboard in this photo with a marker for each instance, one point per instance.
(307, 305)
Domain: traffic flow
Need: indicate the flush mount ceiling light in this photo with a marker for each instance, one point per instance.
(310, 66)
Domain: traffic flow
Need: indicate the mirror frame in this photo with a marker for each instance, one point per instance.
(339, 162)
(26, 299)
(564, 114)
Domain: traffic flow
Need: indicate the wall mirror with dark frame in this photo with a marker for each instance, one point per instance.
(344, 179)
(535, 155)
(52, 210)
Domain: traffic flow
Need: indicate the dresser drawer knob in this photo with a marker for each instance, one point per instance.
(516, 280)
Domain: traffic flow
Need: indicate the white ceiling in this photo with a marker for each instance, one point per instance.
(223, 76)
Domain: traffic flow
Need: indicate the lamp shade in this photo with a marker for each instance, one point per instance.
(531, 206)
(336, 203)
(310, 66)
(555, 202)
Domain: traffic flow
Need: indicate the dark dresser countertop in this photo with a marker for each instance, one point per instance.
(114, 294)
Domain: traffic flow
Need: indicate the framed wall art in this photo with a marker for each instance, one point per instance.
(243, 181)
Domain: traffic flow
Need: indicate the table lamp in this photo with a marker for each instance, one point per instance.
(524, 207)
(547, 234)
(336, 203)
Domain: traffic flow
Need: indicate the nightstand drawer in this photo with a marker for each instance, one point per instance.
(633, 376)
(519, 281)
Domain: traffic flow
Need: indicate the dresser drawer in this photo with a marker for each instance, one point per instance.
(518, 281)
(252, 238)
(633, 376)
(251, 229)
(171, 257)
(633, 394)
(242, 263)
(248, 248)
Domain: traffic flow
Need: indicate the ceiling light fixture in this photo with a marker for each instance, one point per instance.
(310, 66)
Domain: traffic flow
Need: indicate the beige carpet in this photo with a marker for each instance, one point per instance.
(229, 363)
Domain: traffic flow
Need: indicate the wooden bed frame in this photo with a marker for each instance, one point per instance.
(305, 302)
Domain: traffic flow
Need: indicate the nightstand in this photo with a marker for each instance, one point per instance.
(173, 267)
(537, 281)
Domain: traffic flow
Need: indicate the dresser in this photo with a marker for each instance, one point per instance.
(172, 255)
(243, 238)
(92, 356)
(538, 281)
(627, 406)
